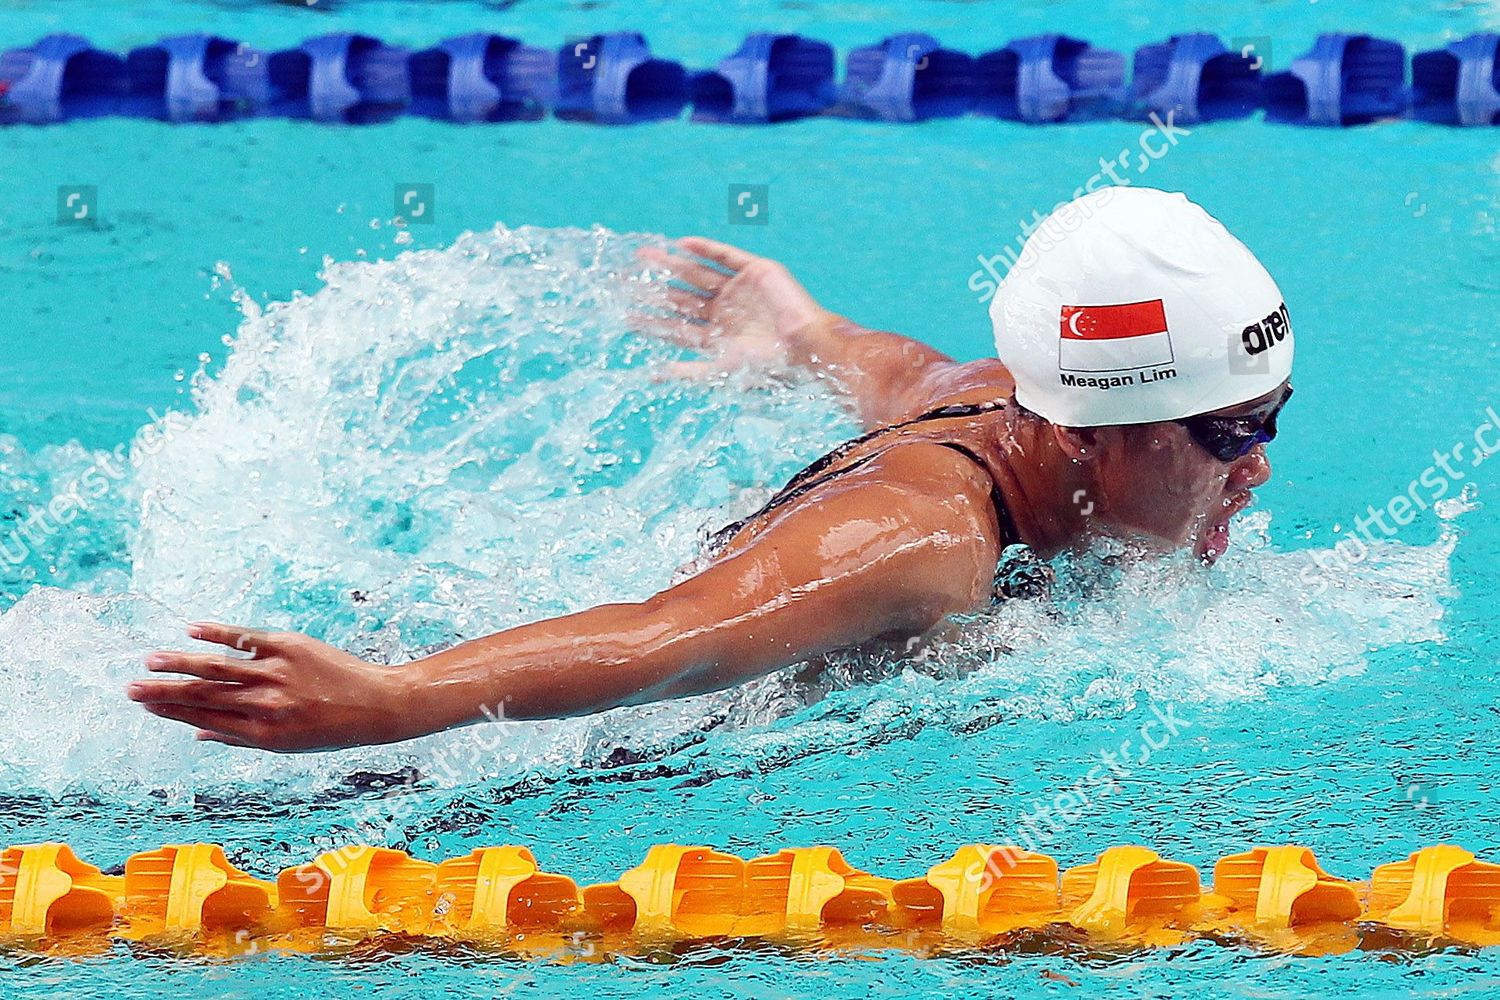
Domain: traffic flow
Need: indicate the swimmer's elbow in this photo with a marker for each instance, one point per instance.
(727, 631)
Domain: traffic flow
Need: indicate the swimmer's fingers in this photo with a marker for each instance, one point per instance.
(209, 666)
(686, 269)
(722, 254)
(688, 303)
(160, 693)
(213, 736)
(256, 642)
(679, 328)
(221, 727)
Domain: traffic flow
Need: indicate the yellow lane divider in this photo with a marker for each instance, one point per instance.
(190, 896)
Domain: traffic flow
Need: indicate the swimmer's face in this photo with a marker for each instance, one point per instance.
(1158, 482)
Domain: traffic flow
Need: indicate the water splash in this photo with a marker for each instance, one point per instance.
(427, 449)
(451, 442)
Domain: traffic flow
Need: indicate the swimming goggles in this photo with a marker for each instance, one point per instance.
(1230, 437)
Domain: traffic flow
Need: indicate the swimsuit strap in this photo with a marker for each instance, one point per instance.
(941, 413)
(807, 478)
(1009, 535)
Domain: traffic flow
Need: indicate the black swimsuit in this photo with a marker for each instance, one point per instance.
(810, 477)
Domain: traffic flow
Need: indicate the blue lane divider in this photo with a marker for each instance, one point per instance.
(1346, 79)
(196, 78)
(908, 78)
(1195, 78)
(613, 79)
(770, 78)
(483, 78)
(341, 78)
(1050, 78)
(1458, 84)
(62, 76)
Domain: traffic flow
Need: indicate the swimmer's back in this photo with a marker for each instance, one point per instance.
(952, 442)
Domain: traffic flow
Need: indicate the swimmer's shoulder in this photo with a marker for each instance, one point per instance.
(933, 488)
(941, 484)
(979, 381)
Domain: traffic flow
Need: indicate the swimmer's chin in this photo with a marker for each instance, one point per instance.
(1214, 541)
(1212, 544)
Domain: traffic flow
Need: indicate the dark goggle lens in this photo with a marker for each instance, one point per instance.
(1229, 438)
(1229, 444)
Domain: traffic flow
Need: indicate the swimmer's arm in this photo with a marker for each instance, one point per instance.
(893, 378)
(748, 310)
(868, 558)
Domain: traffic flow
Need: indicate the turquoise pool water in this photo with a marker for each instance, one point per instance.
(462, 430)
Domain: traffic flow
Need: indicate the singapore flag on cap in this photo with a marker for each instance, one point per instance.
(1111, 338)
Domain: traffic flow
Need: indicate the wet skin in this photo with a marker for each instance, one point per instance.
(887, 549)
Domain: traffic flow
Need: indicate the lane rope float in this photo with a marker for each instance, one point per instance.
(614, 78)
(192, 898)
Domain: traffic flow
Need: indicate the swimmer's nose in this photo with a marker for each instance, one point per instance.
(1251, 470)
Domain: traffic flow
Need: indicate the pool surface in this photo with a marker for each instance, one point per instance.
(284, 408)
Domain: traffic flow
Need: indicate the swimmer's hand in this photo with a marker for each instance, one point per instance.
(280, 691)
(740, 310)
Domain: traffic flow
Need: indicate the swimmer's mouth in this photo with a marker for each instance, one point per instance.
(1214, 541)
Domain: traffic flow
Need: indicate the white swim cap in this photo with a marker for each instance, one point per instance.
(1131, 305)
